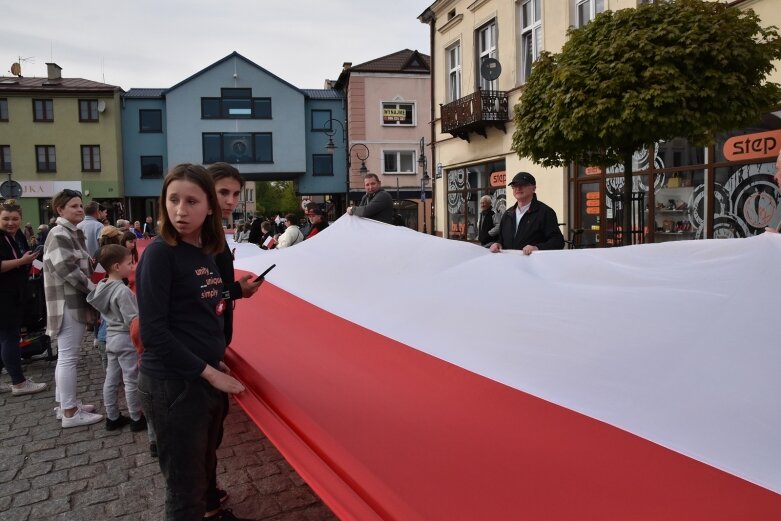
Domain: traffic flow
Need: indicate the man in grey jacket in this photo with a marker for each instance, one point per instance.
(377, 204)
(91, 226)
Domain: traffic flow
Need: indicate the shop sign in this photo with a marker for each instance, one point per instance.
(391, 115)
(592, 202)
(47, 188)
(592, 211)
(761, 145)
(593, 170)
(457, 228)
(592, 195)
(499, 179)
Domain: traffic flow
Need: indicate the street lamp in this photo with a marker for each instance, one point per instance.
(331, 148)
(424, 178)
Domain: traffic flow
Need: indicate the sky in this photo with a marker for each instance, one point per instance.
(144, 43)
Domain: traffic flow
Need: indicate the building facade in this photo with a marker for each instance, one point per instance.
(482, 53)
(388, 130)
(58, 133)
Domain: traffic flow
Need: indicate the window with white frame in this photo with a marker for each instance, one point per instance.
(398, 114)
(398, 162)
(486, 48)
(531, 36)
(454, 72)
(588, 9)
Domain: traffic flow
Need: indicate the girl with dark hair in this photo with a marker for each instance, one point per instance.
(180, 299)
(128, 240)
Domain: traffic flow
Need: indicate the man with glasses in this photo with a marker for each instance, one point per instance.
(529, 225)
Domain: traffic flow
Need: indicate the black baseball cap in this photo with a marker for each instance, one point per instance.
(523, 178)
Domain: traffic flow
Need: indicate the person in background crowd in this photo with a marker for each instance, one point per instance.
(108, 235)
(181, 304)
(67, 270)
(123, 225)
(137, 230)
(376, 204)
(529, 225)
(309, 210)
(318, 222)
(488, 224)
(14, 269)
(777, 177)
(128, 240)
(43, 231)
(292, 235)
(91, 226)
(150, 230)
(266, 232)
(29, 236)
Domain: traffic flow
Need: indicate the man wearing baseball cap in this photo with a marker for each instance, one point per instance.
(528, 225)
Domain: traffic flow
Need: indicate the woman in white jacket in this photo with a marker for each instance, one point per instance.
(292, 235)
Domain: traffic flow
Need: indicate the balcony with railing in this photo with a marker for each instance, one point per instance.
(475, 113)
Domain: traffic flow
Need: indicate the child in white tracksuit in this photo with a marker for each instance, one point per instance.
(114, 300)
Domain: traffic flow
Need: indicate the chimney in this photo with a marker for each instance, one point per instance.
(347, 65)
(53, 71)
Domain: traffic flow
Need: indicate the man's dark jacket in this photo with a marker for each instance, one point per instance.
(255, 232)
(377, 206)
(539, 227)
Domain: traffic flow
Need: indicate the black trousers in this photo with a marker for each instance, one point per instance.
(187, 416)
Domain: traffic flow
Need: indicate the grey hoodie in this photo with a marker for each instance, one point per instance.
(116, 303)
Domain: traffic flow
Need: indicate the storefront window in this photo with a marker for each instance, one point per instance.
(746, 200)
(465, 186)
(590, 212)
(614, 211)
(679, 212)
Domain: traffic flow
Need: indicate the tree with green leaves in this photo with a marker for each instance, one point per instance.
(276, 196)
(629, 78)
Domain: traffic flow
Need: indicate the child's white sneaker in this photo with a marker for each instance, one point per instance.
(27, 387)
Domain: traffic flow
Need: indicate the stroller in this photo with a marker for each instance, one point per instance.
(34, 340)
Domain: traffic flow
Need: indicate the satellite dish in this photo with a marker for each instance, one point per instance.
(101, 105)
(16, 69)
(11, 190)
(490, 69)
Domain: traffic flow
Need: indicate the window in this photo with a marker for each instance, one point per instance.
(238, 147)
(399, 162)
(321, 120)
(88, 110)
(90, 158)
(150, 120)
(531, 36)
(3, 109)
(588, 9)
(236, 104)
(322, 164)
(151, 167)
(454, 72)
(398, 114)
(486, 48)
(5, 158)
(46, 159)
(43, 110)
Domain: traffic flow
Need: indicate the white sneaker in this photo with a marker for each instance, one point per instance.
(81, 417)
(83, 407)
(27, 387)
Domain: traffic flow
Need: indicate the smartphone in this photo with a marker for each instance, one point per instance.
(262, 275)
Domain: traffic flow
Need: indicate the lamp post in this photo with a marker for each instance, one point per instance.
(424, 178)
(331, 148)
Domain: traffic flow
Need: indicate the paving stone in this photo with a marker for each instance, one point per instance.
(17, 514)
(50, 508)
(13, 487)
(38, 445)
(85, 472)
(68, 488)
(47, 455)
(37, 469)
(103, 455)
(29, 497)
(109, 479)
(92, 497)
(71, 461)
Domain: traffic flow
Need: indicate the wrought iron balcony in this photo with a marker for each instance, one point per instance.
(475, 113)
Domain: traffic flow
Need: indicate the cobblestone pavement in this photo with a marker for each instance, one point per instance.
(47, 472)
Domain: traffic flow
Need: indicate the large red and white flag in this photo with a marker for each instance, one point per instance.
(410, 377)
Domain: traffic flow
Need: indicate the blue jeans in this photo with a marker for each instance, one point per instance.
(187, 417)
(10, 354)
